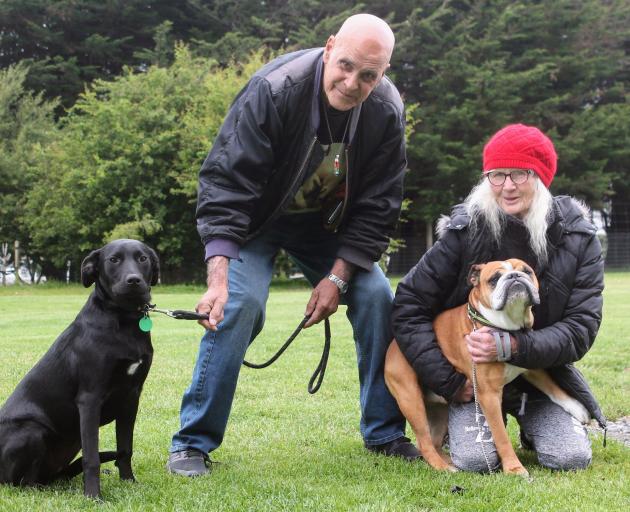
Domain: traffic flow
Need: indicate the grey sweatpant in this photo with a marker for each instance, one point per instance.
(560, 441)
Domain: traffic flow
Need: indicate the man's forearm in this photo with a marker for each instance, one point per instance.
(343, 269)
(217, 268)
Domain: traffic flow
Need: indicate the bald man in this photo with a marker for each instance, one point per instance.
(310, 159)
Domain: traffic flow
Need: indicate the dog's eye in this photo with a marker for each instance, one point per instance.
(142, 258)
(494, 279)
(527, 271)
(114, 259)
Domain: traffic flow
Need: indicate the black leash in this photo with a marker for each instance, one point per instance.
(318, 374)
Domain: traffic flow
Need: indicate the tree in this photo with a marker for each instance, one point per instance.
(26, 125)
(69, 43)
(476, 66)
(599, 145)
(134, 142)
(127, 159)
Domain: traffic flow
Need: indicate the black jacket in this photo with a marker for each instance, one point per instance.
(267, 147)
(565, 322)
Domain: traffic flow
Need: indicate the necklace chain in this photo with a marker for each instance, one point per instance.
(345, 130)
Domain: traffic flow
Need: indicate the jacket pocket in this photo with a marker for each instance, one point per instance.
(557, 295)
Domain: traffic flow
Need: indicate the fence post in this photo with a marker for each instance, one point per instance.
(428, 234)
(16, 260)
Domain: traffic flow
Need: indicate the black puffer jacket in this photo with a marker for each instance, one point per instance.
(566, 321)
(267, 148)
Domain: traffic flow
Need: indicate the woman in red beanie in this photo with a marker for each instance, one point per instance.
(511, 214)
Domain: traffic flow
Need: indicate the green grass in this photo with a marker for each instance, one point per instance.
(287, 450)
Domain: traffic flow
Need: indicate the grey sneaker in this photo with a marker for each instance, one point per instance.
(188, 463)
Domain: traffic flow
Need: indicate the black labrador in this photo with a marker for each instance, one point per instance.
(92, 375)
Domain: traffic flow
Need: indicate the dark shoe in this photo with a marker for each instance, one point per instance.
(400, 447)
(188, 463)
(526, 444)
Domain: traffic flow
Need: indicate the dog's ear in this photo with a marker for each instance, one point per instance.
(89, 268)
(473, 274)
(155, 266)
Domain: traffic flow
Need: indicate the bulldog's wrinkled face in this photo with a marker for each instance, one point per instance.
(510, 287)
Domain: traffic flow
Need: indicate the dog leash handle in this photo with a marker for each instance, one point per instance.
(181, 314)
(178, 314)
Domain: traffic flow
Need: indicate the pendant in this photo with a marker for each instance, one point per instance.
(337, 171)
(145, 323)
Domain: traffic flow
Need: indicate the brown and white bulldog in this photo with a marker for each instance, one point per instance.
(502, 296)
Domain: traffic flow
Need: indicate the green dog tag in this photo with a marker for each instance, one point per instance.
(145, 323)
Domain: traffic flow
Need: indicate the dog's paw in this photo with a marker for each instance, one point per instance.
(444, 466)
(518, 470)
(437, 462)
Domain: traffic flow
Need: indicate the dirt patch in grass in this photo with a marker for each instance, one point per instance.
(618, 430)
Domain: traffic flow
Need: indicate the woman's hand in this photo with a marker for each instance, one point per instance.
(482, 345)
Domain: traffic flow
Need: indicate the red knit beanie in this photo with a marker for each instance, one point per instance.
(521, 147)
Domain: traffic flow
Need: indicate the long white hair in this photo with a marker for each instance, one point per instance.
(483, 209)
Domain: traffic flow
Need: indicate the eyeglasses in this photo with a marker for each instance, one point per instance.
(518, 176)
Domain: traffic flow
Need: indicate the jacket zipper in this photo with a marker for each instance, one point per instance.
(296, 178)
(347, 194)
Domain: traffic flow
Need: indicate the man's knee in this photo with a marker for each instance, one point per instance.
(248, 303)
(567, 459)
(372, 288)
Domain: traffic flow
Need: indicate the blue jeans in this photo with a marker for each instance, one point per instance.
(207, 402)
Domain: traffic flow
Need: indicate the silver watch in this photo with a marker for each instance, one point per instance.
(340, 283)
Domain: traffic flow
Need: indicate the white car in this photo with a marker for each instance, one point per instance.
(7, 276)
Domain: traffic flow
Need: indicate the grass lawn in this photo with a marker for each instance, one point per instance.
(287, 450)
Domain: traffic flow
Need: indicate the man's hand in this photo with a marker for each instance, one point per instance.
(325, 297)
(323, 302)
(213, 301)
(483, 347)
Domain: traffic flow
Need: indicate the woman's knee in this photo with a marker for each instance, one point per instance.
(474, 460)
(567, 459)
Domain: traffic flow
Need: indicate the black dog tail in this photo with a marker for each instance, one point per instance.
(76, 467)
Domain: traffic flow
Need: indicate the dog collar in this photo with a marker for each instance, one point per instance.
(476, 317)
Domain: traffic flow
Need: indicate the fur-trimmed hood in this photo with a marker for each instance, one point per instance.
(573, 215)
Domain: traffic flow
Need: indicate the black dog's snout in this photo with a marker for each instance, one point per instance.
(134, 279)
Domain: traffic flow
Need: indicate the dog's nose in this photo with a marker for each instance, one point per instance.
(133, 279)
